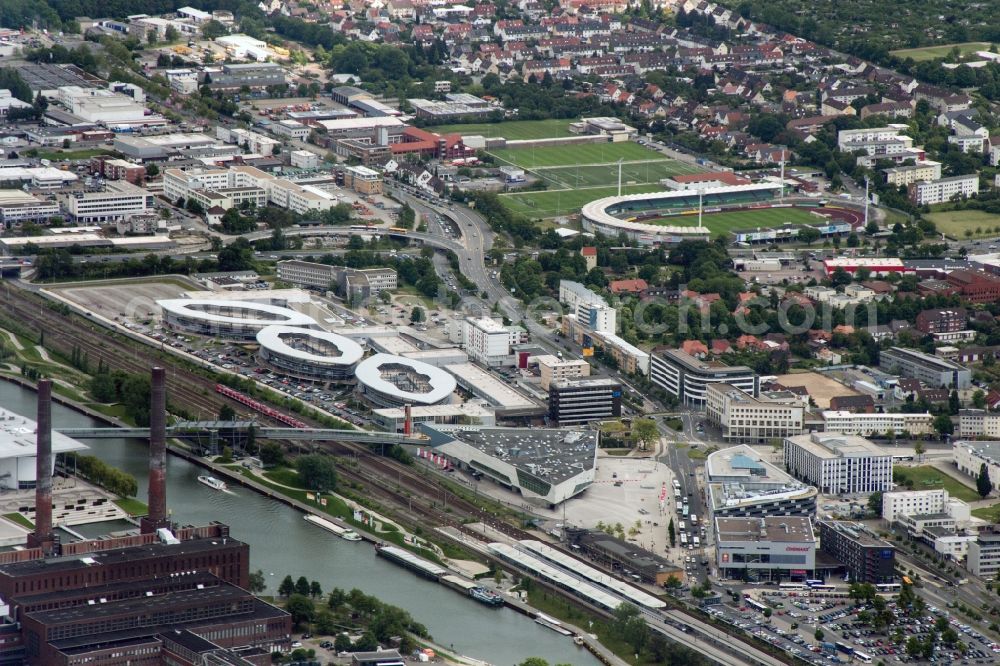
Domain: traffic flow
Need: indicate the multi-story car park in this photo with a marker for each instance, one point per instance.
(230, 319)
(867, 558)
(309, 354)
(839, 463)
(931, 370)
(771, 548)
(387, 380)
(688, 378)
(744, 418)
(741, 484)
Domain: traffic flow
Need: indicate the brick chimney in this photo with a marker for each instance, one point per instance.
(43, 536)
(157, 516)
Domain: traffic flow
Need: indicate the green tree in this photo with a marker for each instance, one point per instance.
(315, 589)
(672, 533)
(102, 388)
(317, 472)
(943, 424)
(979, 399)
(417, 315)
(287, 587)
(257, 582)
(645, 432)
(954, 404)
(983, 484)
(534, 661)
(227, 413)
(808, 235)
(819, 635)
(914, 647)
(301, 608)
(302, 586)
(135, 392)
(342, 643)
(875, 503)
(171, 34)
(629, 626)
(271, 455)
(325, 622)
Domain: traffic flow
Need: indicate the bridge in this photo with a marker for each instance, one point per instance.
(213, 428)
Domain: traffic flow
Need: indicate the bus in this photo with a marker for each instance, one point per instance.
(682, 526)
(685, 510)
(822, 588)
(677, 494)
(791, 586)
(754, 604)
(697, 542)
(694, 520)
(890, 588)
(677, 484)
(844, 647)
(862, 657)
(813, 581)
(398, 230)
(684, 539)
(679, 506)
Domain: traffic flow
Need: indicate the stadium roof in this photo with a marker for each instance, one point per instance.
(279, 338)
(439, 383)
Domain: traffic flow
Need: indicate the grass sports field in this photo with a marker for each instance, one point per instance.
(943, 51)
(955, 223)
(723, 223)
(513, 130)
(565, 202)
(571, 155)
(597, 176)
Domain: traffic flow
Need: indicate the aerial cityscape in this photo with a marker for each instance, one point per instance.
(566, 333)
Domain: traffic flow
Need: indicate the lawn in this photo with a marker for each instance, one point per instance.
(724, 223)
(512, 130)
(132, 506)
(943, 51)
(955, 223)
(596, 176)
(60, 155)
(565, 202)
(20, 520)
(572, 155)
(930, 478)
(990, 513)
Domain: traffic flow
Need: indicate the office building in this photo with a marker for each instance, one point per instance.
(930, 192)
(115, 200)
(547, 466)
(255, 76)
(921, 503)
(363, 180)
(304, 159)
(629, 358)
(866, 558)
(742, 484)
(387, 380)
(117, 169)
(983, 558)
(765, 549)
(687, 378)
(975, 286)
(309, 354)
(229, 188)
(454, 106)
(488, 341)
(931, 370)
(746, 419)
(838, 464)
(971, 456)
(867, 425)
(553, 369)
(583, 400)
(590, 309)
(17, 206)
(354, 284)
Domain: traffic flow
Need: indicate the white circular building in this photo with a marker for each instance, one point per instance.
(625, 214)
(234, 320)
(388, 380)
(309, 354)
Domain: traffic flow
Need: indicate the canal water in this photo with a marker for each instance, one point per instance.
(281, 543)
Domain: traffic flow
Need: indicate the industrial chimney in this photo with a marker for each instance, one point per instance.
(408, 422)
(43, 537)
(157, 516)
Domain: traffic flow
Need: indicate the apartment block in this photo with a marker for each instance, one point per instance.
(903, 176)
(839, 464)
(930, 192)
(488, 341)
(363, 180)
(931, 370)
(749, 420)
(553, 369)
(942, 320)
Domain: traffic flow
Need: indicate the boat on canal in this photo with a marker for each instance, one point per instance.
(213, 483)
(342, 532)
